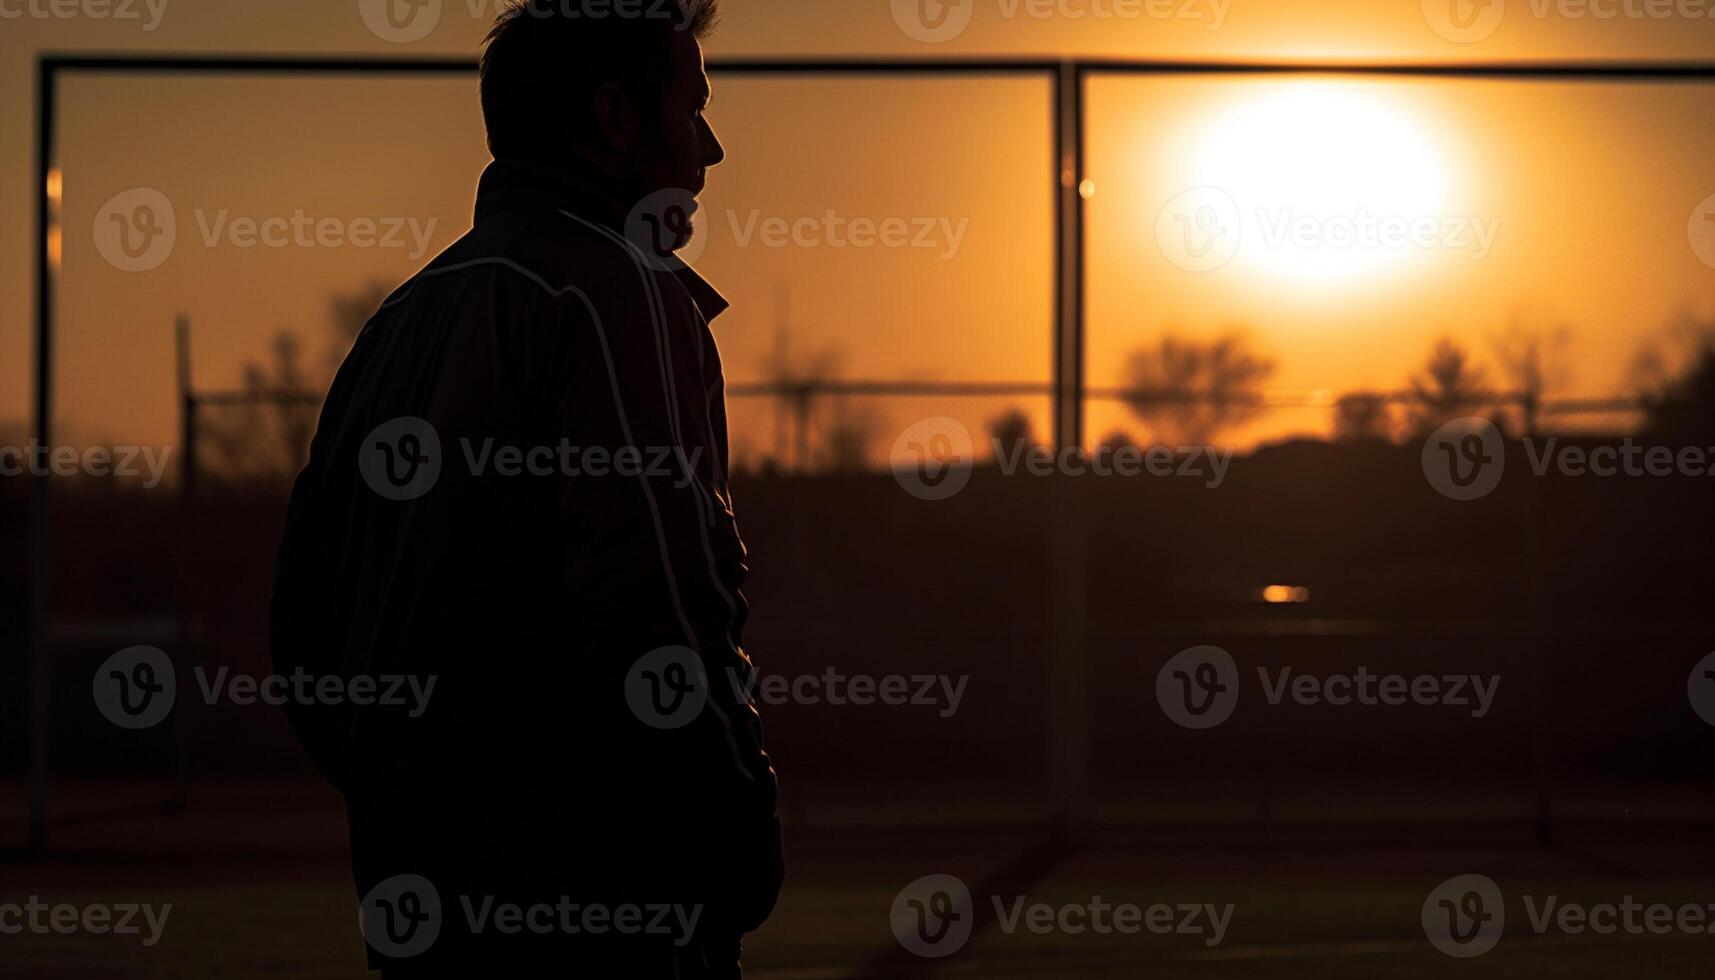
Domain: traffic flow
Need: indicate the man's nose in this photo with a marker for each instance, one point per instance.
(713, 151)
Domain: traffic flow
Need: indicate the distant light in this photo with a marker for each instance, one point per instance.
(1087, 189)
(56, 247)
(56, 185)
(1283, 594)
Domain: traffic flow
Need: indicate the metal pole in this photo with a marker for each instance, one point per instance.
(36, 608)
(1068, 627)
(188, 539)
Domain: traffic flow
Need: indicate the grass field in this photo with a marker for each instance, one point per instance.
(1323, 911)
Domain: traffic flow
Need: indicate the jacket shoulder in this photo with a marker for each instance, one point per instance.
(554, 251)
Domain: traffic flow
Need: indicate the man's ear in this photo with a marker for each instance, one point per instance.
(616, 118)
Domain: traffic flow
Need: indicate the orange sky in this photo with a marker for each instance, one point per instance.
(1589, 188)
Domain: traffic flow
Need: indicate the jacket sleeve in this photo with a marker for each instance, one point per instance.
(653, 564)
(652, 556)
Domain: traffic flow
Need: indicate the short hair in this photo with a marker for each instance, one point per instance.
(545, 59)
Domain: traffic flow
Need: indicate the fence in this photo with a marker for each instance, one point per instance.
(1068, 393)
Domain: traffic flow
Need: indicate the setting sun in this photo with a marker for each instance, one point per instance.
(1329, 182)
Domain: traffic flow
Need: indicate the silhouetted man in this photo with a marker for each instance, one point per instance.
(518, 493)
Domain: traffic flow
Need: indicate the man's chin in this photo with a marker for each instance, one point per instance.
(686, 231)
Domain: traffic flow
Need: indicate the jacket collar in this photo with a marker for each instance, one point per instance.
(513, 185)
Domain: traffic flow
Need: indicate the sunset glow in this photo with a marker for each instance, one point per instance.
(1331, 182)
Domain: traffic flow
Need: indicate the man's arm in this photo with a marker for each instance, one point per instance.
(653, 562)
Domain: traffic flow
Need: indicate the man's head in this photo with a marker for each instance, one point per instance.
(618, 85)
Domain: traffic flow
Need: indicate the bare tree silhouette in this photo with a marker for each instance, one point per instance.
(261, 436)
(1533, 359)
(1010, 432)
(1675, 381)
(1115, 441)
(849, 431)
(1448, 387)
(1190, 392)
(1363, 416)
(815, 429)
(264, 433)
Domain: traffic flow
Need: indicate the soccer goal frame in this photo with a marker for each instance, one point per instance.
(1068, 84)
